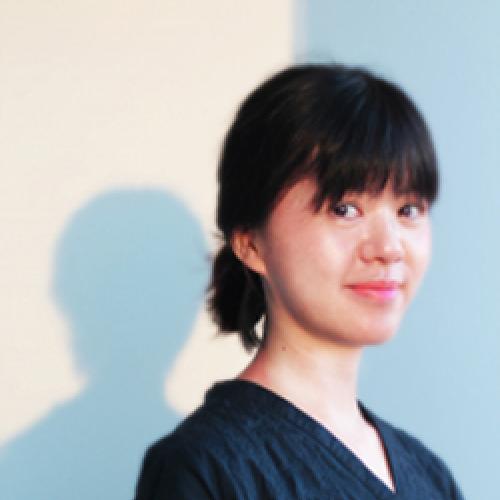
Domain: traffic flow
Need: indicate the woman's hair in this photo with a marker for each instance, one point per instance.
(344, 127)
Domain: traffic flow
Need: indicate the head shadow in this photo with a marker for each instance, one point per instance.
(130, 271)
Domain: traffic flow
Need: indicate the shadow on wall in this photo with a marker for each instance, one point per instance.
(130, 273)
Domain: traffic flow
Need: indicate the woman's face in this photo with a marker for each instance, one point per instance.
(346, 272)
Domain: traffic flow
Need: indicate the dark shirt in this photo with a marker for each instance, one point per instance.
(245, 442)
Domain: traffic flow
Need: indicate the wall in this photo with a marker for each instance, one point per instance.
(440, 377)
(112, 117)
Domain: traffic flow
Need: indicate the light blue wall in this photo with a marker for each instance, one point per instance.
(129, 276)
(440, 378)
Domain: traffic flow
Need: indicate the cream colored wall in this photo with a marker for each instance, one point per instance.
(90, 93)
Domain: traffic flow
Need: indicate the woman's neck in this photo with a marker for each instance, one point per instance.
(320, 377)
(315, 374)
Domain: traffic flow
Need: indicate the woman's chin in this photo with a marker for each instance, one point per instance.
(374, 332)
(380, 335)
(381, 338)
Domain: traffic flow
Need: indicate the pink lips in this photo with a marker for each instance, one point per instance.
(377, 290)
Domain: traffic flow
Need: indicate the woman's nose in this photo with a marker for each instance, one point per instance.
(382, 240)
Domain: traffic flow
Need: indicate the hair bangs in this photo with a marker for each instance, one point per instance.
(374, 140)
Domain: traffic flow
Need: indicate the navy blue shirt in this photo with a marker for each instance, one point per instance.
(245, 442)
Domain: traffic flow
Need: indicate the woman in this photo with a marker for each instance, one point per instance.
(325, 183)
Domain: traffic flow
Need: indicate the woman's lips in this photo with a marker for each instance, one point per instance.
(380, 291)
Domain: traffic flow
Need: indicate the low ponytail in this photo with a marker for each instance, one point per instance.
(236, 298)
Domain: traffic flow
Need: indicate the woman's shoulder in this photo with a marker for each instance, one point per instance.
(413, 455)
(413, 446)
(205, 430)
(177, 466)
(201, 451)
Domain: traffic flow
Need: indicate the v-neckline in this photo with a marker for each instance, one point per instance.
(325, 437)
(389, 453)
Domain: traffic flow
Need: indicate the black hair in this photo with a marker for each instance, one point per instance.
(345, 127)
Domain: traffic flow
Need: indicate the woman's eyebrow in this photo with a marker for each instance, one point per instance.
(413, 195)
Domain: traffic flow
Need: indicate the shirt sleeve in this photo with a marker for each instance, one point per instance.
(442, 475)
(170, 473)
(455, 493)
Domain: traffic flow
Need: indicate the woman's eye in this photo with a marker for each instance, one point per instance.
(345, 210)
(411, 210)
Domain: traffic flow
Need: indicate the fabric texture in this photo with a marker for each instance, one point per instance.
(247, 443)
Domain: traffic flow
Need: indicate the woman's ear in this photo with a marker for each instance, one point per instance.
(245, 246)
